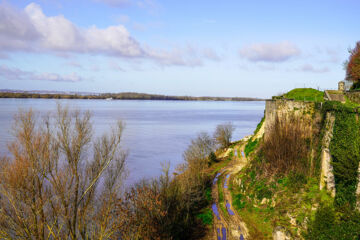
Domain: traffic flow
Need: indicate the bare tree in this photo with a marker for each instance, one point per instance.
(53, 186)
(198, 152)
(223, 134)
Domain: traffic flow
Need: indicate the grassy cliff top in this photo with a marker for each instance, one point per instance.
(305, 94)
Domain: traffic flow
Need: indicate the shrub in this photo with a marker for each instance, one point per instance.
(327, 225)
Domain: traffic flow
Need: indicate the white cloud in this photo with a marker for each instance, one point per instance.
(8, 73)
(311, 68)
(269, 52)
(32, 30)
(16, 29)
(59, 34)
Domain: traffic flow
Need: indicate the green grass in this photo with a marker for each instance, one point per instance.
(259, 125)
(305, 94)
(221, 195)
(250, 146)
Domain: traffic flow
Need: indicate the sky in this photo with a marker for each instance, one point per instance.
(227, 48)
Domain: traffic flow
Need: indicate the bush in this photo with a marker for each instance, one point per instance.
(327, 225)
(206, 217)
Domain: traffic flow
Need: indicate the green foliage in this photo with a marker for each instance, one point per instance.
(345, 151)
(305, 94)
(336, 106)
(250, 146)
(208, 195)
(206, 216)
(262, 190)
(259, 125)
(327, 225)
(296, 181)
(238, 201)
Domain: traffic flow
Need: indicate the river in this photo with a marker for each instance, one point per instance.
(156, 131)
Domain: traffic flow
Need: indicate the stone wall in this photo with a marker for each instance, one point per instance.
(353, 96)
(283, 108)
(358, 191)
(327, 173)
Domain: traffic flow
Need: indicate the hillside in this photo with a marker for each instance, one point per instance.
(301, 177)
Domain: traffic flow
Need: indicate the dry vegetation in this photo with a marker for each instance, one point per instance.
(61, 183)
(51, 188)
(286, 147)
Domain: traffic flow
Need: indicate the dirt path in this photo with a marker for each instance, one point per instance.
(228, 226)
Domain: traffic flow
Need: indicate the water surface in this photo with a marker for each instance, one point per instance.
(156, 131)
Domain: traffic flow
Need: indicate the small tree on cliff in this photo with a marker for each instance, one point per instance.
(353, 66)
(223, 134)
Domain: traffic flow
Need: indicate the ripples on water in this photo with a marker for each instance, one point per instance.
(156, 131)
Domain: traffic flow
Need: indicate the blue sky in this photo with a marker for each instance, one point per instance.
(228, 48)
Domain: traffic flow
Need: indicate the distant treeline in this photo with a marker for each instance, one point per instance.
(121, 96)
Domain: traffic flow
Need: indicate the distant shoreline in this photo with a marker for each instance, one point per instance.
(120, 96)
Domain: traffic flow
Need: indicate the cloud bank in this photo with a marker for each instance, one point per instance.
(269, 52)
(31, 30)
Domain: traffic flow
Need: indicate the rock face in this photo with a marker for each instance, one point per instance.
(280, 233)
(327, 175)
(358, 191)
(286, 108)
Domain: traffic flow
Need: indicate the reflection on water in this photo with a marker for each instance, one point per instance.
(156, 131)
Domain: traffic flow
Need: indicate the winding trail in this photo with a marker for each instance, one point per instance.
(228, 226)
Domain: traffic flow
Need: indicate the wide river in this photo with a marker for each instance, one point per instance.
(156, 131)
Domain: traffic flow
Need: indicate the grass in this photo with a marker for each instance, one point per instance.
(250, 146)
(218, 166)
(221, 196)
(305, 94)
